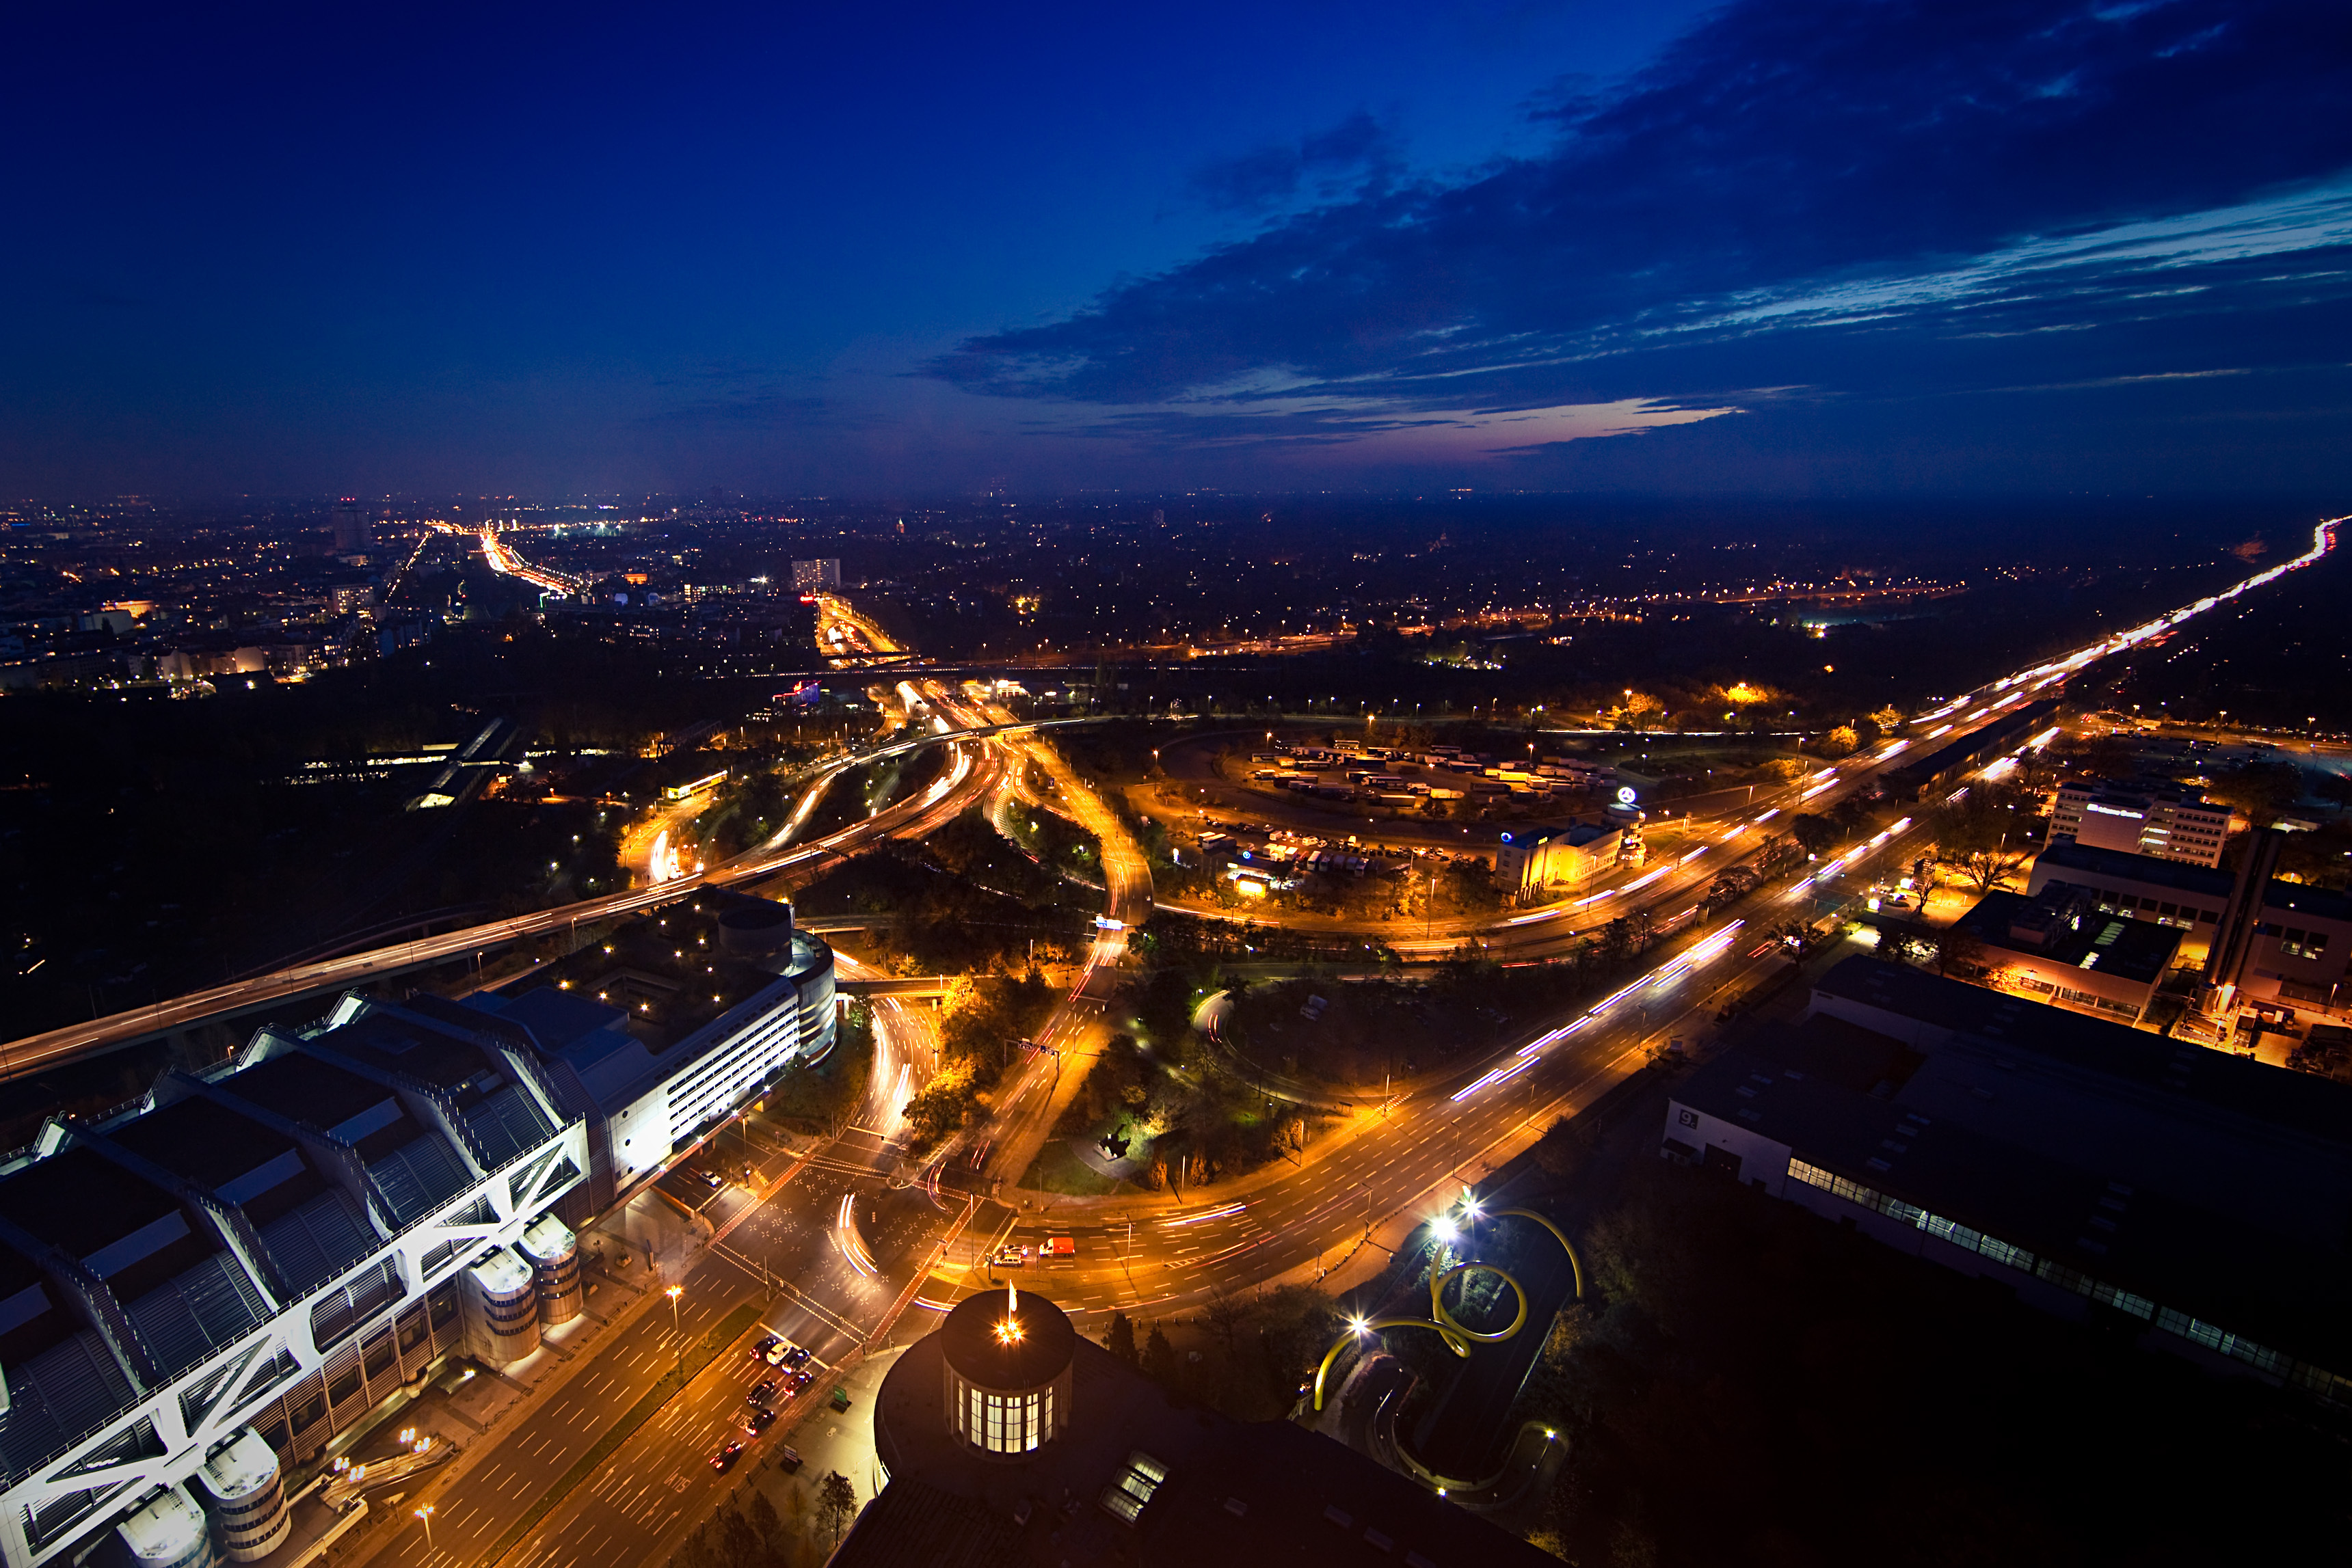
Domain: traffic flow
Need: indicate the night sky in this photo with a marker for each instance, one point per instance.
(1795, 247)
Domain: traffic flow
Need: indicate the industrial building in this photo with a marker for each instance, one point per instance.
(212, 1284)
(645, 1095)
(249, 1260)
(2191, 1196)
(2154, 818)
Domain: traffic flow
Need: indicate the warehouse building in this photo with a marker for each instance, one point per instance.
(2059, 945)
(2192, 1197)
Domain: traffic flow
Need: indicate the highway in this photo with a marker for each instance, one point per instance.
(970, 777)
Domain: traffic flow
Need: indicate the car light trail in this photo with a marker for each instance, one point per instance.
(852, 1245)
(1205, 1215)
(1528, 1054)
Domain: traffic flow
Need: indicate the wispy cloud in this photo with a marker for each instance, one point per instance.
(1830, 192)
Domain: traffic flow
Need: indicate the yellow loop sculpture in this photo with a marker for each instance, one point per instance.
(1437, 1302)
(1457, 1339)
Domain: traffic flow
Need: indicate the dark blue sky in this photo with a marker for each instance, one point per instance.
(1793, 247)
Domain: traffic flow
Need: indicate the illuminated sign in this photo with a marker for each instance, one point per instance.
(1624, 794)
(2114, 811)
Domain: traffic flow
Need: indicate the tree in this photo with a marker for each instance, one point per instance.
(1813, 834)
(1887, 719)
(1959, 952)
(1159, 1358)
(1843, 741)
(1973, 835)
(740, 1545)
(1120, 1341)
(837, 1503)
(761, 1515)
(1225, 1312)
(2263, 791)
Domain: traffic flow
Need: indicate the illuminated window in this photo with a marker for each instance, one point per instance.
(1005, 1422)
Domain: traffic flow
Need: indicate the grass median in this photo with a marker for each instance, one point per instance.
(706, 1350)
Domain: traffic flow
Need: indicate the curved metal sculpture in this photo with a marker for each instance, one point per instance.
(1457, 1338)
(1437, 1302)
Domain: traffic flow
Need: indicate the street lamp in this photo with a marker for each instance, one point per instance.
(425, 1513)
(674, 1292)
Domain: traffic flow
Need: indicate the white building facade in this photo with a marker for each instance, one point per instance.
(216, 1280)
(2163, 821)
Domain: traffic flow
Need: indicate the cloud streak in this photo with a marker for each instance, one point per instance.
(1821, 193)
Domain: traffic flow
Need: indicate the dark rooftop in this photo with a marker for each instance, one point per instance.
(1233, 1492)
(1037, 1357)
(201, 1140)
(381, 1038)
(1943, 1009)
(2204, 882)
(302, 1088)
(2048, 925)
(2163, 1201)
(81, 1202)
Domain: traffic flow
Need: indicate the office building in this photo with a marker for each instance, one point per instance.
(1007, 1440)
(2164, 820)
(216, 1280)
(2059, 945)
(354, 526)
(2194, 1197)
(815, 576)
(646, 1097)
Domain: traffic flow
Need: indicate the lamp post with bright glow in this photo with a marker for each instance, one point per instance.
(676, 1329)
(426, 1514)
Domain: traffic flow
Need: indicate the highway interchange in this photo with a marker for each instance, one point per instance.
(841, 1244)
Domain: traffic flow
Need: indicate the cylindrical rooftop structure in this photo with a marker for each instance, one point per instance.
(168, 1530)
(249, 1499)
(553, 1254)
(501, 1306)
(1005, 1377)
(754, 925)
